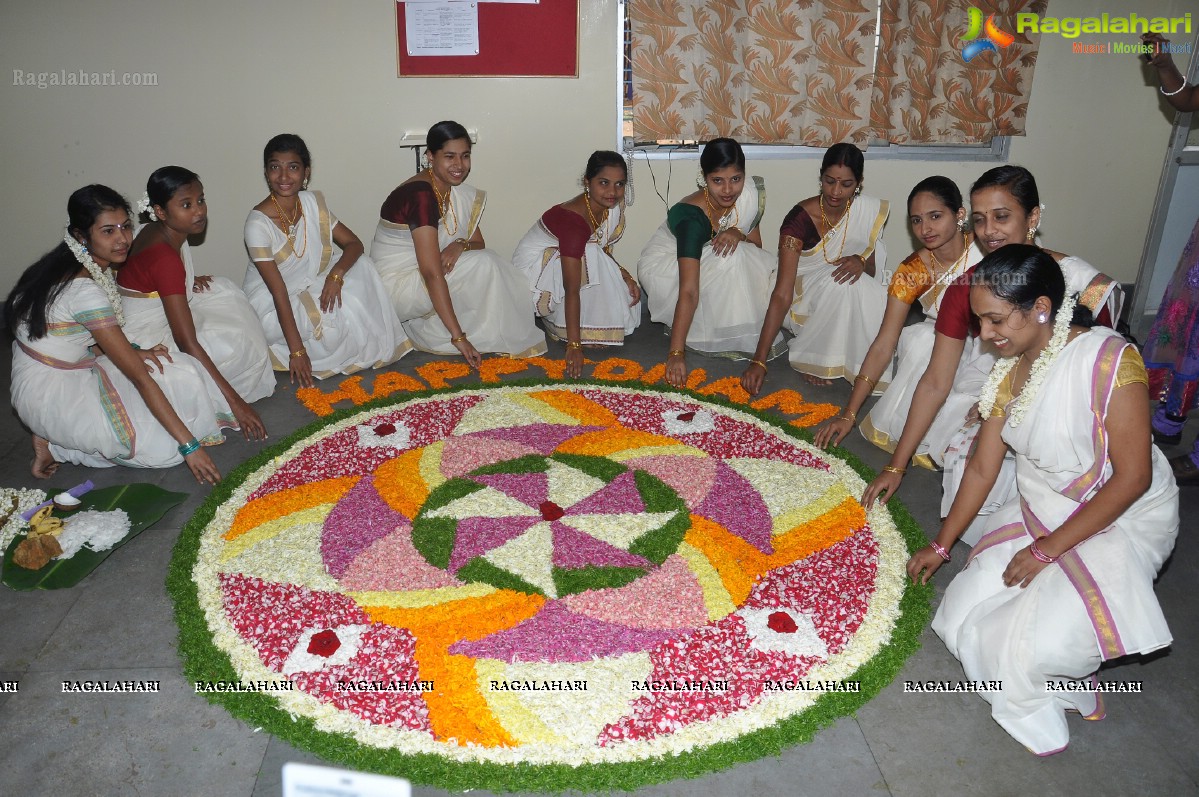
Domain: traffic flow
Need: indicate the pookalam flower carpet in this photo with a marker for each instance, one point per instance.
(545, 585)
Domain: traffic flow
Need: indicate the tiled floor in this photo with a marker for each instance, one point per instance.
(118, 624)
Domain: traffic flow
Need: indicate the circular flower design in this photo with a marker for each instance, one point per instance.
(592, 576)
(551, 526)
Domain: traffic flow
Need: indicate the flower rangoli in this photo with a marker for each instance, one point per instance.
(545, 586)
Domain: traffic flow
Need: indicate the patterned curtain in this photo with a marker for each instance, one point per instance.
(803, 71)
(759, 71)
(925, 89)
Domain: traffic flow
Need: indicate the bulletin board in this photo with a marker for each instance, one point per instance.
(515, 40)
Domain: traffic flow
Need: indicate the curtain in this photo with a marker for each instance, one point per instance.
(805, 71)
(759, 71)
(926, 92)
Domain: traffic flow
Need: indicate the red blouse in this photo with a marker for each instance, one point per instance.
(572, 230)
(155, 269)
(800, 226)
(414, 204)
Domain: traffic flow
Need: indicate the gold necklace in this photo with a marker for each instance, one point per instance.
(290, 222)
(941, 270)
(714, 217)
(832, 227)
(444, 205)
(595, 225)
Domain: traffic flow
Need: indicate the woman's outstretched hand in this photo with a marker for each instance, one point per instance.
(833, 431)
(923, 564)
(882, 488)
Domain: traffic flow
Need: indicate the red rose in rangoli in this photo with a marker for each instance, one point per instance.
(781, 623)
(324, 643)
(384, 429)
(551, 511)
(686, 417)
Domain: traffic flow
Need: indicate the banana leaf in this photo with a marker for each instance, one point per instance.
(144, 503)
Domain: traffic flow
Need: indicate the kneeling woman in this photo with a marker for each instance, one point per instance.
(452, 293)
(582, 294)
(827, 290)
(704, 271)
(115, 407)
(1062, 580)
(319, 300)
(207, 317)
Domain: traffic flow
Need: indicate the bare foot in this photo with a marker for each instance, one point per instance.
(43, 466)
(819, 381)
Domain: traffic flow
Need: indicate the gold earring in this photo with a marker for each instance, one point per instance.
(1032, 233)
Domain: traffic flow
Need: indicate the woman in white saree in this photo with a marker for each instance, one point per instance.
(1063, 577)
(319, 299)
(704, 272)
(583, 296)
(1005, 209)
(80, 387)
(827, 289)
(450, 291)
(206, 317)
(939, 220)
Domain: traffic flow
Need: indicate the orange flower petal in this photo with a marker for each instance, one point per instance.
(586, 411)
(286, 502)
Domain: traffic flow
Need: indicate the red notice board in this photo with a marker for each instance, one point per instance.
(515, 40)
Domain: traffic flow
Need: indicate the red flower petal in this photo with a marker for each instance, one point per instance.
(551, 511)
(324, 643)
(385, 429)
(685, 417)
(781, 623)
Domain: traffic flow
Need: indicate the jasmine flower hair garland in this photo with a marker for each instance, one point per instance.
(1040, 367)
(101, 277)
(145, 206)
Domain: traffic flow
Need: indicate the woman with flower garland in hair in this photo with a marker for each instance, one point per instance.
(206, 317)
(319, 299)
(1062, 578)
(938, 219)
(827, 289)
(704, 271)
(1005, 209)
(582, 294)
(78, 384)
(453, 294)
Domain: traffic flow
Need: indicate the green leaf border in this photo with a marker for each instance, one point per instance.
(203, 661)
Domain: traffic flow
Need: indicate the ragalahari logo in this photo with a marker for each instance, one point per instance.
(993, 40)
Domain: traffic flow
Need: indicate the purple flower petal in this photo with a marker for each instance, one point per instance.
(574, 549)
(556, 634)
(543, 437)
(619, 496)
(735, 504)
(528, 488)
(360, 518)
(478, 535)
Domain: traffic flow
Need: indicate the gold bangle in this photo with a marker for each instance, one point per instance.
(573, 344)
(333, 275)
(895, 470)
(298, 353)
(849, 415)
(465, 244)
(872, 382)
(459, 338)
(759, 362)
(677, 353)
